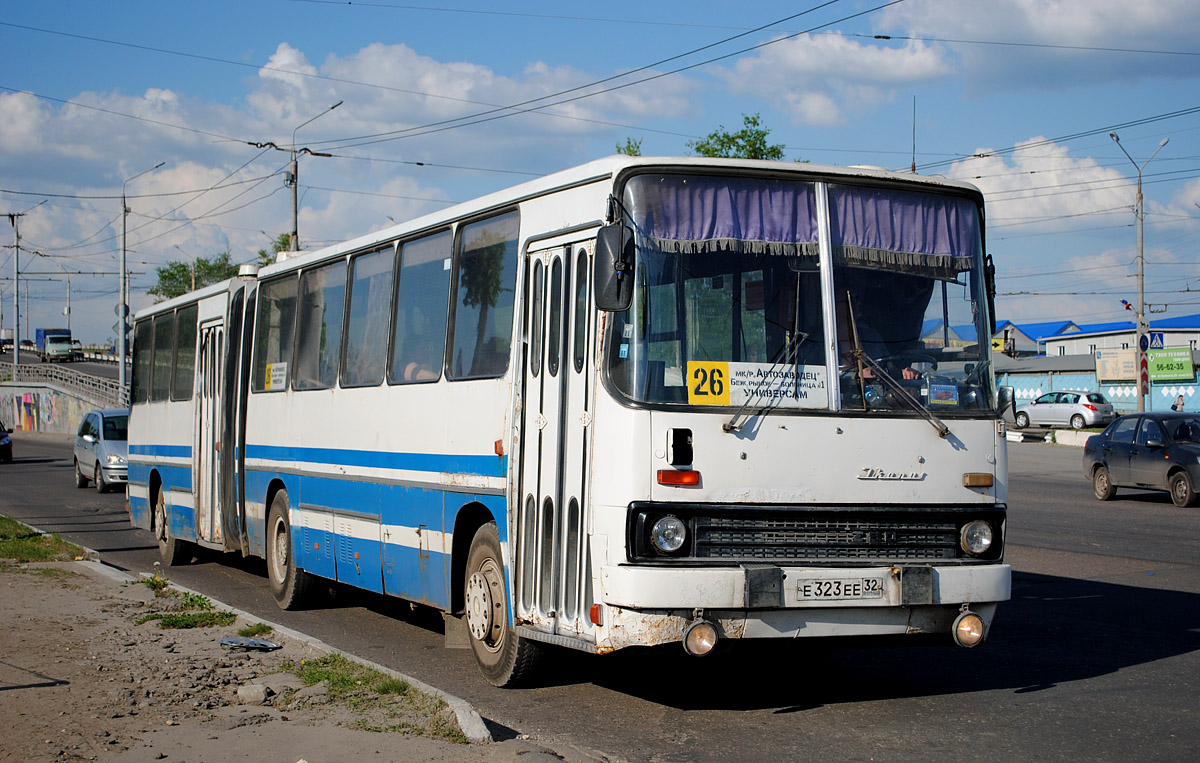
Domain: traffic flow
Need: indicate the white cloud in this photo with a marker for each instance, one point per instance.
(1062, 230)
(1162, 25)
(88, 152)
(825, 79)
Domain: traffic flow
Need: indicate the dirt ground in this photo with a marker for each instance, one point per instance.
(79, 680)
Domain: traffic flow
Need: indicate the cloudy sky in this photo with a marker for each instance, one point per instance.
(1017, 96)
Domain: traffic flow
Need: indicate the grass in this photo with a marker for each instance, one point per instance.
(24, 544)
(160, 586)
(257, 629)
(191, 610)
(379, 702)
(175, 620)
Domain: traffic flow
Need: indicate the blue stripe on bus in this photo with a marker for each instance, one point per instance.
(484, 466)
(173, 477)
(162, 451)
(401, 570)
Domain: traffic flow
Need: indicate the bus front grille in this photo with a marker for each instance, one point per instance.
(823, 539)
(812, 535)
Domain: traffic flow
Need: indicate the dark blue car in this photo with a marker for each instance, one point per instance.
(1148, 451)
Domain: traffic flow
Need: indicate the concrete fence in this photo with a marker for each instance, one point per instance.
(54, 398)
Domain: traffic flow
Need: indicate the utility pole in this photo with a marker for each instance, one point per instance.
(12, 218)
(1143, 325)
(123, 288)
(293, 175)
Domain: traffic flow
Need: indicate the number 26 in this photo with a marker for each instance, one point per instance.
(709, 382)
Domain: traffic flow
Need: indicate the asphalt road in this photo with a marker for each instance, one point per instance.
(1094, 658)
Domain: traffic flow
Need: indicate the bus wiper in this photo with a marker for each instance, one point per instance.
(861, 358)
(789, 352)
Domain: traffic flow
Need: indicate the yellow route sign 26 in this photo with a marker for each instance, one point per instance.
(759, 384)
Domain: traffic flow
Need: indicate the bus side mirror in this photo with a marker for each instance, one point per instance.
(1006, 404)
(614, 267)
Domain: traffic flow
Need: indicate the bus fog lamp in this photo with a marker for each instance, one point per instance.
(976, 537)
(968, 629)
(700, 638)
(668, 534)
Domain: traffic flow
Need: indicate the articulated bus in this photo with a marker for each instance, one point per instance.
(641, 401)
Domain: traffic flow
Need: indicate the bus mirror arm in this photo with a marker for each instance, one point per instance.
(614, 267)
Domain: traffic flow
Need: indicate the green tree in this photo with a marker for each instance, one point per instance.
(281, 243)
(632, 147)
(750, 142)
(175, 278)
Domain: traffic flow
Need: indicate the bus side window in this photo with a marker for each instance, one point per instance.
(367, 320)
(422, 298)
(143, 352)
(185, 353)
(319, 333)
(164, 342)
(485, 295)
(273, 334)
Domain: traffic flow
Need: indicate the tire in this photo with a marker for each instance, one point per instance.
(1102, 484)
(290, 585)
(1182, 494)
(1022, 420)
(80, 480)
(172, 550)
(503, 657)
(1077, 421)
(98, 478)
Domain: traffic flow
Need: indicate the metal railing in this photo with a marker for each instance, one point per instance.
(105, 393)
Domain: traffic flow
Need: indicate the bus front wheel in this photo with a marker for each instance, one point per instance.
(172, 550)
(289, 584)
(504, 657)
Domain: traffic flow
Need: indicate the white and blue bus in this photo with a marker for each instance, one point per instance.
(641, 401)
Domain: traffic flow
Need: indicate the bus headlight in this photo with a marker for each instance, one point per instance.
(668, 534)
(976, 537)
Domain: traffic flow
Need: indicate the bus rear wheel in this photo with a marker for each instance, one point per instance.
(504, 658)
(172, 550)
(289, 584)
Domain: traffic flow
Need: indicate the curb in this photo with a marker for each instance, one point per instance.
(469, 719)
(1065, 437)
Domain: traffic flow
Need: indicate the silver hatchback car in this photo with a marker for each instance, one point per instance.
(1076, 408)
(102, 449)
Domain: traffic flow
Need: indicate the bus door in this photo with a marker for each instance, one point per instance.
(553, 573)
(207, 464)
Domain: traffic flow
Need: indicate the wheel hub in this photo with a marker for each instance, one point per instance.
(479, 606)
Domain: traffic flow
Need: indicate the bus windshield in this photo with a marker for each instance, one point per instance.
(738, 304)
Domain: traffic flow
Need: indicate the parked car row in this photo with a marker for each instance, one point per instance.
(1076, 408)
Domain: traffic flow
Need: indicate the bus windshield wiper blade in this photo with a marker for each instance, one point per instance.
(789, 352)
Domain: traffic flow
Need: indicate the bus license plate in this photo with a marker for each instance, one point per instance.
(838, 589)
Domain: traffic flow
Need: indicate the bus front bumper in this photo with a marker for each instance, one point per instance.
(646, 606)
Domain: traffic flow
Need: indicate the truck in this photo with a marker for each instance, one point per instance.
(53, 345)
(6, 340)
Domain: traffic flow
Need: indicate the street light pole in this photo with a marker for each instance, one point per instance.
(1143, 325)
(192, 260)
(122, 299)
(294, 169)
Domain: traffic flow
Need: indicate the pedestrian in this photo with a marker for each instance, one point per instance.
(1178, 404)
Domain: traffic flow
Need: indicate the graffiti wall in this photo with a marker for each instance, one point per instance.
(32, 408)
